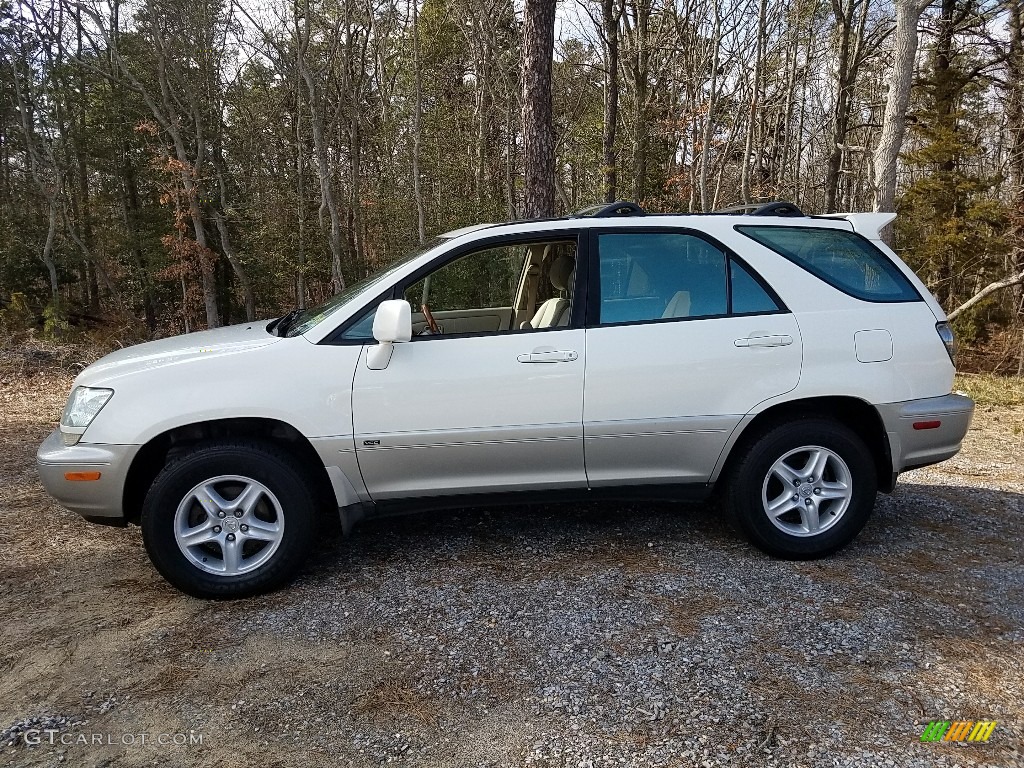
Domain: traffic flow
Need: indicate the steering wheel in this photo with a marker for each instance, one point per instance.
(431, 322)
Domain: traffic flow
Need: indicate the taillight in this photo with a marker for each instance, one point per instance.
(946, 334)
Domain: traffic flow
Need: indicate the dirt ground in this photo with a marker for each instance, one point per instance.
(583, 636)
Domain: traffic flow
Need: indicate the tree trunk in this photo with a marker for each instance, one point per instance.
(355, 151)
(170, 122)
(846, 75)
(639, 74)
(709, 118)
(206, 264)
(236, 265)
(131, 212)
(83, 175)
(1015, 161)
(945, 88)
(510, 159)
(538, 124)
(417, 123)
(47, 255)
(300, 207)
(610, 20)
(894, 119)
(755, 98)
(328, 204)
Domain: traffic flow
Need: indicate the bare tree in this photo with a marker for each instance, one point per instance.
(851, 19)
(750, 147)
(711, 111)
(314, 100)
(890, 140)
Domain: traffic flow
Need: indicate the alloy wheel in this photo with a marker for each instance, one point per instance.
(229, 525)
(807, 491)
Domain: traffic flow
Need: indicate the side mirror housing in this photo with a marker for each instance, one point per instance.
(391, 324)
(393, 321)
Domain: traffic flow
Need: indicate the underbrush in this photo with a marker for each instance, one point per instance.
(34, 339)
(998, 351)
(26, 354)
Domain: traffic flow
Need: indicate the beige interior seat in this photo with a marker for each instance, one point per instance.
(678, 305)
(554, 313)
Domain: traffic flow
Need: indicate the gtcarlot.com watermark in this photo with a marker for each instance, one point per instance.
(52, 736)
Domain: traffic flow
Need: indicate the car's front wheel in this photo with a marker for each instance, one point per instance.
(803, 489)
(229, 519)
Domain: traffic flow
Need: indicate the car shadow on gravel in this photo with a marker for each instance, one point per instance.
(550, 528)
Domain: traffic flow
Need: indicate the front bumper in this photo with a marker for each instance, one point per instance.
(926, 431)
(97, 500)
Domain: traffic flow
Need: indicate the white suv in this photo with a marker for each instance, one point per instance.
(793, 362)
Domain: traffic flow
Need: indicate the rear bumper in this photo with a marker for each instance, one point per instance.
(96, 500)
(927, 431)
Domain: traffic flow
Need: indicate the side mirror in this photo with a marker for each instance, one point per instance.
(391, 324)
(393, 321)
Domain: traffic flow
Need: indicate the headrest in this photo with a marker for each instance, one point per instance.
(560, 272)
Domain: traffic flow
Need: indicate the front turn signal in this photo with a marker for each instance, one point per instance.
(80, 476)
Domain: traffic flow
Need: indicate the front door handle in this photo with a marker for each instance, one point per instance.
(764, 341)
(548, 356)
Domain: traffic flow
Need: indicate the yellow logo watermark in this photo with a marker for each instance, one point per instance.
(958, 730)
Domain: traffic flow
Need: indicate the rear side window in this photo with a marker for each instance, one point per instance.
(658, 276)
(842, 259)
(649, 276)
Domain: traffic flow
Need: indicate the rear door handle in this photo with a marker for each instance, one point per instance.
(548, 356)
(764, 341)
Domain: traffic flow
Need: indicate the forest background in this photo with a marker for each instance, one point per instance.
(169, 165)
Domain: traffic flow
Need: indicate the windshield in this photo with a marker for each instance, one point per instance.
(309, 318)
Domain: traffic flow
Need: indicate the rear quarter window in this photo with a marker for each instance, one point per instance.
(843, 259)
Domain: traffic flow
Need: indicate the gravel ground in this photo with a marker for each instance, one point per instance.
(582, 636)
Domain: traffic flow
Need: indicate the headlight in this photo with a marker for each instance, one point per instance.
(82, 407)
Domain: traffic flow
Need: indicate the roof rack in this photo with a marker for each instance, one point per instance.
(608, 210)
(777, 208)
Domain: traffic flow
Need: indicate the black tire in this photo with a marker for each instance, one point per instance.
(261, 463)
(749, 484)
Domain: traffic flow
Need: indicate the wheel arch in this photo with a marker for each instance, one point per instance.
(854, 413)
(154, 455)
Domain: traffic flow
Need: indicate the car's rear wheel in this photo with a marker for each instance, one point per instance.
(229, 519)
(803, 489)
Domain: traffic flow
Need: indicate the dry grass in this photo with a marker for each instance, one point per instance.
(390, 699)
(855, 703)
(684, 617)
(992, 667)
(987, 389)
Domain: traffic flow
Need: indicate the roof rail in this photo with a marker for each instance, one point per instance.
(608, 210)
(777, 208)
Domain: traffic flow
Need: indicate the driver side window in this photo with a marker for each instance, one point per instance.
(472, 294)
(515, 287)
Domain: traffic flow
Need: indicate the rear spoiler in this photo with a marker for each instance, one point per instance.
(870, 225)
